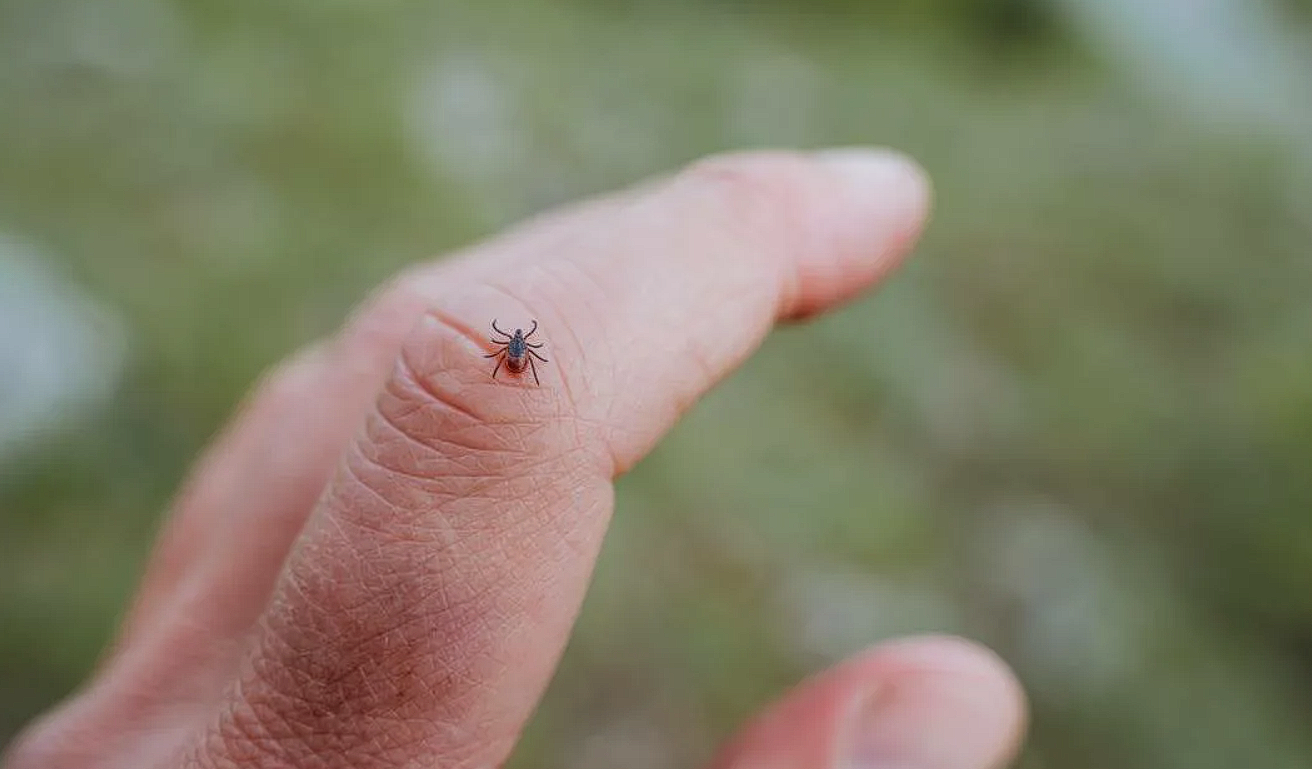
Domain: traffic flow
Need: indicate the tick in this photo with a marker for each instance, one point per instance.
(516, 351)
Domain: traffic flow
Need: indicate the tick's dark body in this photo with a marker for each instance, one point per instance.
(516, 352)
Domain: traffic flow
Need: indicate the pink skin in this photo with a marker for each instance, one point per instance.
(379, 562)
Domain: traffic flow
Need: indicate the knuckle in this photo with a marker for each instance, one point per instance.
(425, 430)
(442, 438)
(766, 192)
(441, 417)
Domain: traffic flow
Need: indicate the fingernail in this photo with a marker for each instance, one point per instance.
(938, 720)
(883, 175)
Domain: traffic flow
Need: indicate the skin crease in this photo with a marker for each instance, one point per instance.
(380, 560)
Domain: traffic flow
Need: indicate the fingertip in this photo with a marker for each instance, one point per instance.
(879, 201)
(889, 179)
(947, 653)
(936, 702)
(919, 703)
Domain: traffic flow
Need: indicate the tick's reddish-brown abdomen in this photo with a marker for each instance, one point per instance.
(516, 365)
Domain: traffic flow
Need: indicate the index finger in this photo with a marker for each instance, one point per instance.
(432, 591)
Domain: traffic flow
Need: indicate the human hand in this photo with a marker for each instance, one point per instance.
(379, 562)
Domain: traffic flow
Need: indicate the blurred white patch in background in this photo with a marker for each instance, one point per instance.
(828, 613)
(632, 742)
(231, 220)
(122, 39)
(465, 122)
(127, 38)
(1230, 62)
(60, 351)
(774, 100)
(1079, 615)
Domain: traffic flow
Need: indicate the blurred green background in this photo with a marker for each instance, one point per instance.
(1078, 426)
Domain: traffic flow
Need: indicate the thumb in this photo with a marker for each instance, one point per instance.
(922, 703)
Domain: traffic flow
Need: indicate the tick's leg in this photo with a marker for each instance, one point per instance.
(535, 346)
(539, 357)
(498, 368)
(499, 331)
(534, 366)
(530, 331)
(495, 354)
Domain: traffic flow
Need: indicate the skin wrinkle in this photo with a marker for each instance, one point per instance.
(405, 374)
(481, 482)
(423, 433)
(401, 532)
(350, 472)
(475, 482)
(423, 393)
(399, 529)
(393, 470)
(524, 465)
(391, 412)
(406, 388)
(461, 328)
(411, 457)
